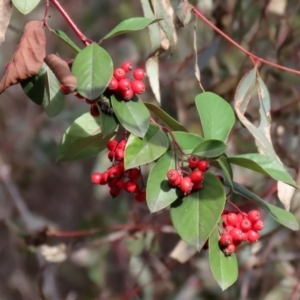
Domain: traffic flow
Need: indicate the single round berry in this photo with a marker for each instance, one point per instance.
(232, 219)
(226, 239)
(245, 225)
(111, 182)
(173, 175)
(113, 84)
(96, 178)
(236, 234)
(122, 144)
(127, 66)
(230, 249)
(104, 178)
(114, 191)
(176, 182)
(131, 186)
(134, 174)
(259, 225)
(139, 74)
(203, 165)
(253, 236)
(119, 154)
(193, 161)
(127, 95)
(253, 216)
(196, 176)
(114, 173)
(138, 87)
(197, 185)
(124, 85)
(140, 196)
(119, 74)
(94, 110)
(120, 184)
(111, 145)
(186, 185)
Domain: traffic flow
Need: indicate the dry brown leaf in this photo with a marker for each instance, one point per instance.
(5, 14)
(61, 70)
(28, 57)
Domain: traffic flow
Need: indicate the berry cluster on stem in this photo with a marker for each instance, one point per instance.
(116, 177)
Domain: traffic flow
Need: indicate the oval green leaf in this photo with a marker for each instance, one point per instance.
(140, 151)
(159, 193)
(93, 68)
(166, 118)
(83, 139)
(216, 115)
(63, 36)
(263, 164)
(132, 24)
(195, 216)
(280, 215)
(25, 6)
(132, 115)
(53, 101)
(210, 148)
(226, 167)
(224, 268)
(187, 141)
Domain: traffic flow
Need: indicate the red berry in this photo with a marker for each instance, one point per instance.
(134, 174)
(138, 87)
(139, 74)
(94, 110)
(228, 229)
(122, 144)
(203, 165)
(253, 236)
(111, 145)
(241, 217)
(245, 225)
(232, 219)
(173, 175)
(111, 155)
(114, 191)
(127, 66)
(120, 184)
(64, 89)
(259, 225)
(119, 154)
(114, 173)
(113, 84)
(88, 101)
(196, 176)
(140, 196)
(124, 85)
(131, 186)
(96, 178)
(229, 249)
(121, 166)
(193, 161)
(104, 178)
(226, 239)
(253, 216)
(236, 234)
(197, 185)
(176, 182)
(127, 95)
(119, 74)
(186, 185)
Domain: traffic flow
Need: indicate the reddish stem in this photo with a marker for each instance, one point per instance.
(86, 41)
(232, 204)
(255, 59)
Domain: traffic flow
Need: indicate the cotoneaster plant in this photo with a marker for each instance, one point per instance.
(191, 175)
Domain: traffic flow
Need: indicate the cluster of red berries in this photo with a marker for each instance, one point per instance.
(116, 177)
(189, 181)
(239, 227)
(124, 87)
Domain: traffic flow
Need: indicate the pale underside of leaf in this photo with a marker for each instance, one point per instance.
(5, 14)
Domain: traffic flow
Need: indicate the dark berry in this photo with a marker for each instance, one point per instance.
(140, 196)
(134, 174)
(94, 110)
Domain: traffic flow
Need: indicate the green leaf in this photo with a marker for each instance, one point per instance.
(280, 215)
(25, 6)
(109, 123)
(187, 141)
(264, 165)
(142, 151)
(132, 115)
(93, 68)
(53, 101)
(195, 216)
(224, 268)
(226, 167)
(63, 36)
(166, 118)
(34, 87)
(210, 148)
(83, 139)
(159, 193)
(216, 115)
(129, 25)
